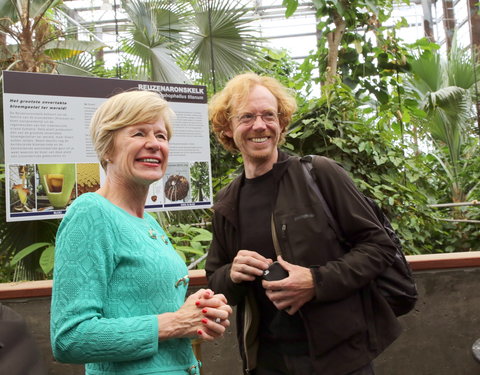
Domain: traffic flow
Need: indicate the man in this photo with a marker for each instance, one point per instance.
(326, 317)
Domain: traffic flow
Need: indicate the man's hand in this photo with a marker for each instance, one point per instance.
(291, 293)
(247, 265)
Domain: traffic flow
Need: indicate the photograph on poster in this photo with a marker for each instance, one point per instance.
(200, 181)
(50, 187)
(22, 184)
(177, 185)
(56, 188)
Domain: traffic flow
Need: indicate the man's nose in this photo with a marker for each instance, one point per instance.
(259, 123)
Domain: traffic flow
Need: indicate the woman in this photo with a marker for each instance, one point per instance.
(118, 301)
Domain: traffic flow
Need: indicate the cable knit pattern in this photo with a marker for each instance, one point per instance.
(111, 279)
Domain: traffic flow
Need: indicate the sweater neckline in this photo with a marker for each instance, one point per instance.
(120, 209)
(143, 223)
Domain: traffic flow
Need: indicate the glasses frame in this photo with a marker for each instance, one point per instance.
(252, 121)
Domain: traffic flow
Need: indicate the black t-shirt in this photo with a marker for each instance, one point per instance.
(255, 210)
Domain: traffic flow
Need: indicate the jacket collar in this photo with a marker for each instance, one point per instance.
(227, 198)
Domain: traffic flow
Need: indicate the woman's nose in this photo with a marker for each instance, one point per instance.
(152, 142)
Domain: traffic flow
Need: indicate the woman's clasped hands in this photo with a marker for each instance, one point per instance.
(215, 313)
(204, 315)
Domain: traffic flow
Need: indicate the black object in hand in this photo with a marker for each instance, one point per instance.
(275, 272)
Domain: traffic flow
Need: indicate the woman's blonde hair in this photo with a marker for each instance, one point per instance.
(223, 104)
(125, 109)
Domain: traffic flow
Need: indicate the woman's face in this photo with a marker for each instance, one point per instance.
(140, 153)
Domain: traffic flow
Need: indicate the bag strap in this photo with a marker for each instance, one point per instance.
(307, 169)
(276, 245)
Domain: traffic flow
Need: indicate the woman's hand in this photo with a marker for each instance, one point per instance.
(204, 315)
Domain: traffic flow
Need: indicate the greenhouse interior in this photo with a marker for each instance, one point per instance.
(388, 90)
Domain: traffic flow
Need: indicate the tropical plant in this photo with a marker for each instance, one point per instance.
(154, 39)
(344, 127)
(191, 242)
(342, 37)
(209, 38)
(46, 258)
(34, 40)
(444, 89)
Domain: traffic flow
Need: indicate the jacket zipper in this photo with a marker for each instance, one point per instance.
(286, 246)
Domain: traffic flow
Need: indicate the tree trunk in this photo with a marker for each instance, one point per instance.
(26, 45)
(448, 21)
(3, 44)
(427, 20)
(474, 20)
(334, 38)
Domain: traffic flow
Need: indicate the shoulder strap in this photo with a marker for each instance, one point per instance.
(276, 245)
(307, 170)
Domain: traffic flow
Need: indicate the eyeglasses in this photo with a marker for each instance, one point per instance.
(250, 118)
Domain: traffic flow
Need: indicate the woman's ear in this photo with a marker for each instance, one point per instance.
(227, 133)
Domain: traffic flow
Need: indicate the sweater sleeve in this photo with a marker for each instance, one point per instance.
(372, 250)
(84, 263)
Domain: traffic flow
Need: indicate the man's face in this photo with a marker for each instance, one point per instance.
(255, 126)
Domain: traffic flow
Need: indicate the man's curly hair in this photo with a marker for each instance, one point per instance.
(223, 105)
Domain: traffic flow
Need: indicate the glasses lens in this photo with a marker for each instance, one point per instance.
(246, 118)
(249, 118)
(269, 117)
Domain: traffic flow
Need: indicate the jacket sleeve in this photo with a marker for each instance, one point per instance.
(372, 250)
(219, 262)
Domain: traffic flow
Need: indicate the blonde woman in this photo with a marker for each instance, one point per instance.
(119, 289)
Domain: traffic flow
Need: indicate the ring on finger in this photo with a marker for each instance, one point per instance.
(218, 320)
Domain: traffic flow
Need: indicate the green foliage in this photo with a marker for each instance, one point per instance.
(291, 6)
(190, 242)
(25, 240)
(211, 40)
(38, 42)
(442, 88)
(46, 258)
(341, 127)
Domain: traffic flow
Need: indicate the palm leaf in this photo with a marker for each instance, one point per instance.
(428, 72)
(78, 65)
(224, 43)
(461, 71)
(65, 49)
(155, 38)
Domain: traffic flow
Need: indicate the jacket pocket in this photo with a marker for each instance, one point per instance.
(331, 324)
(305, 236)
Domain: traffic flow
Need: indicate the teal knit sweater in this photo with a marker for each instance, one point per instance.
(114, 273)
